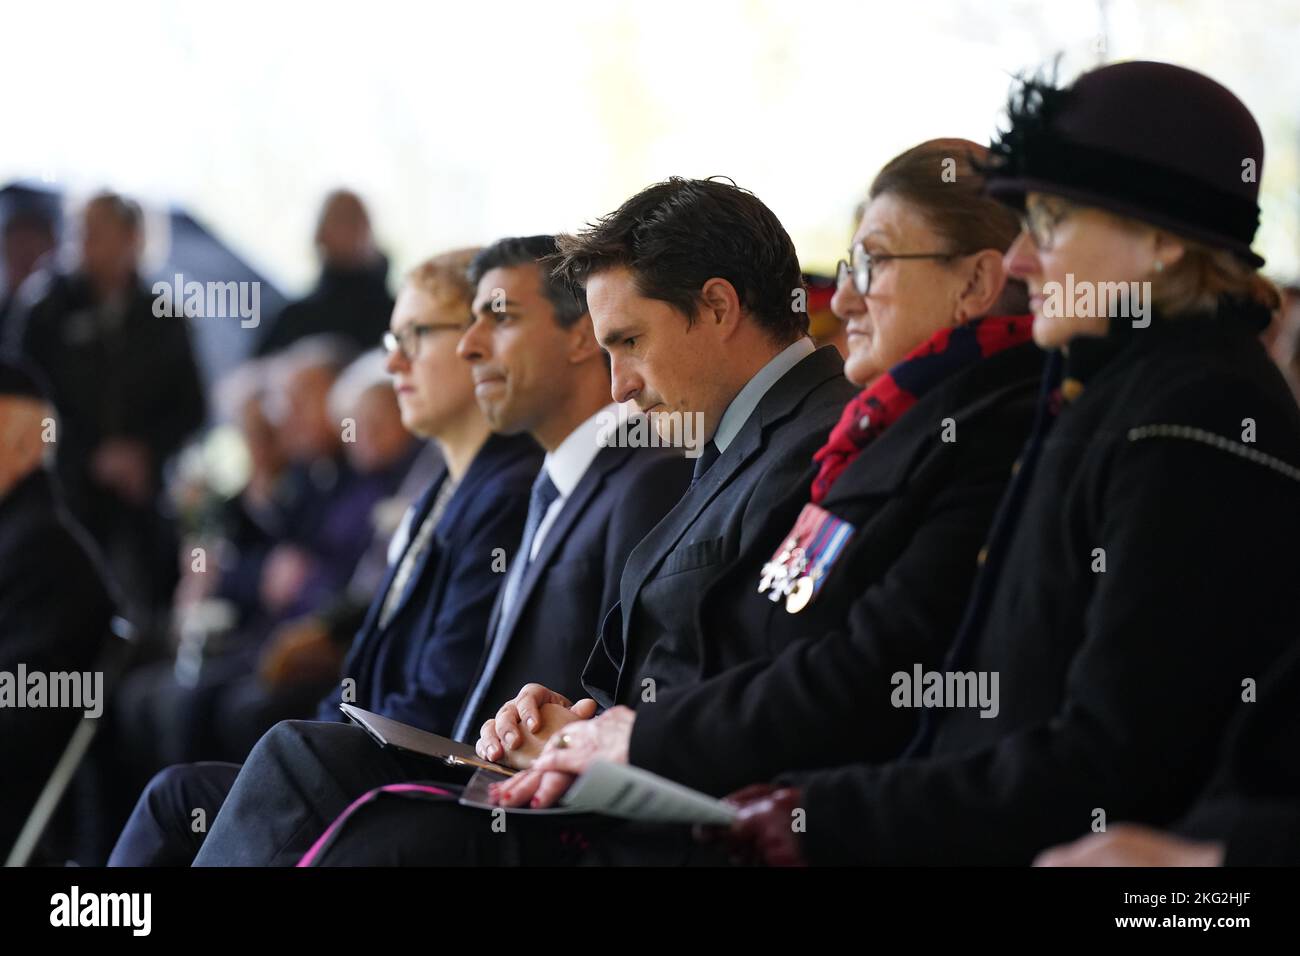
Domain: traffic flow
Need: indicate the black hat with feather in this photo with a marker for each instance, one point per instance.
(1155, 142)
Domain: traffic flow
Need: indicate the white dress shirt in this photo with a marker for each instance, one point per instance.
(747, 399)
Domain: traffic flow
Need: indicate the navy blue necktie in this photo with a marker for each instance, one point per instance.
(702, 464)
(539, 502)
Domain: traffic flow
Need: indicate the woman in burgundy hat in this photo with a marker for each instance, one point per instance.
(1131, 593)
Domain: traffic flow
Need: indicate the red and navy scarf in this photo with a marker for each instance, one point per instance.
(884, 401)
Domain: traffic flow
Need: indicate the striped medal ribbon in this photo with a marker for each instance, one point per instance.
(800, 565)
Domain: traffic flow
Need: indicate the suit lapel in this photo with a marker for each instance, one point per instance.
(606, 461)
(781, 400)
(371, 623)
(654, 547)
(475, 478)
(422, 561)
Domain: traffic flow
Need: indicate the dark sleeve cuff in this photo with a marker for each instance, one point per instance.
(836, 825)
(646, 748)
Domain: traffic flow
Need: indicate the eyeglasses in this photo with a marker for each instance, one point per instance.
(408, 340)
(1040, 220)
(861, 262)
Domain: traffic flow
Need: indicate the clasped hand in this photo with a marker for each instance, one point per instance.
(552, 741)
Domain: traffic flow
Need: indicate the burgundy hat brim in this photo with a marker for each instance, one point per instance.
(1012, 191)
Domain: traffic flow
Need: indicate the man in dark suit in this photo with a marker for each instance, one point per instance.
(54, 604)
(693, 291)
(414, 657)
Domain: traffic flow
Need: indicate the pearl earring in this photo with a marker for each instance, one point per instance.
(1160, 266)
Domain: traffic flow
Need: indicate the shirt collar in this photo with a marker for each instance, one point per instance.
(570, 461)
(747, 399)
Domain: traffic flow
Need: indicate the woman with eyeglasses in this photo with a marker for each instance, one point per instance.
(1135, 587)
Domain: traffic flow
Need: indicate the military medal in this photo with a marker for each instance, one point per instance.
(800, 596)
(800, 565)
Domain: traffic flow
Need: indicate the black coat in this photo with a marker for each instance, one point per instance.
(353, 303)
(1115, 685)
(573, 582)
(54, 613)
(1253, 803)
(138, 380)
(921, 508)
(653, 633)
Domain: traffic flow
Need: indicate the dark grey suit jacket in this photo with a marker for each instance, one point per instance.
(654, 633)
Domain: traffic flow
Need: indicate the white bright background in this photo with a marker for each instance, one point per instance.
(462, 122)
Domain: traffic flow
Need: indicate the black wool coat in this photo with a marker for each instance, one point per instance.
(1135, 578)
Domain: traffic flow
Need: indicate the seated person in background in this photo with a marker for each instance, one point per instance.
(345, 460)
(351, 296)
(235, 533)
(54, 603)
(308, 648)
(415, 656)
(327, 519)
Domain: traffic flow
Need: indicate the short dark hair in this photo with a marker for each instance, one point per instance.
(570, 303)
(676, 235)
